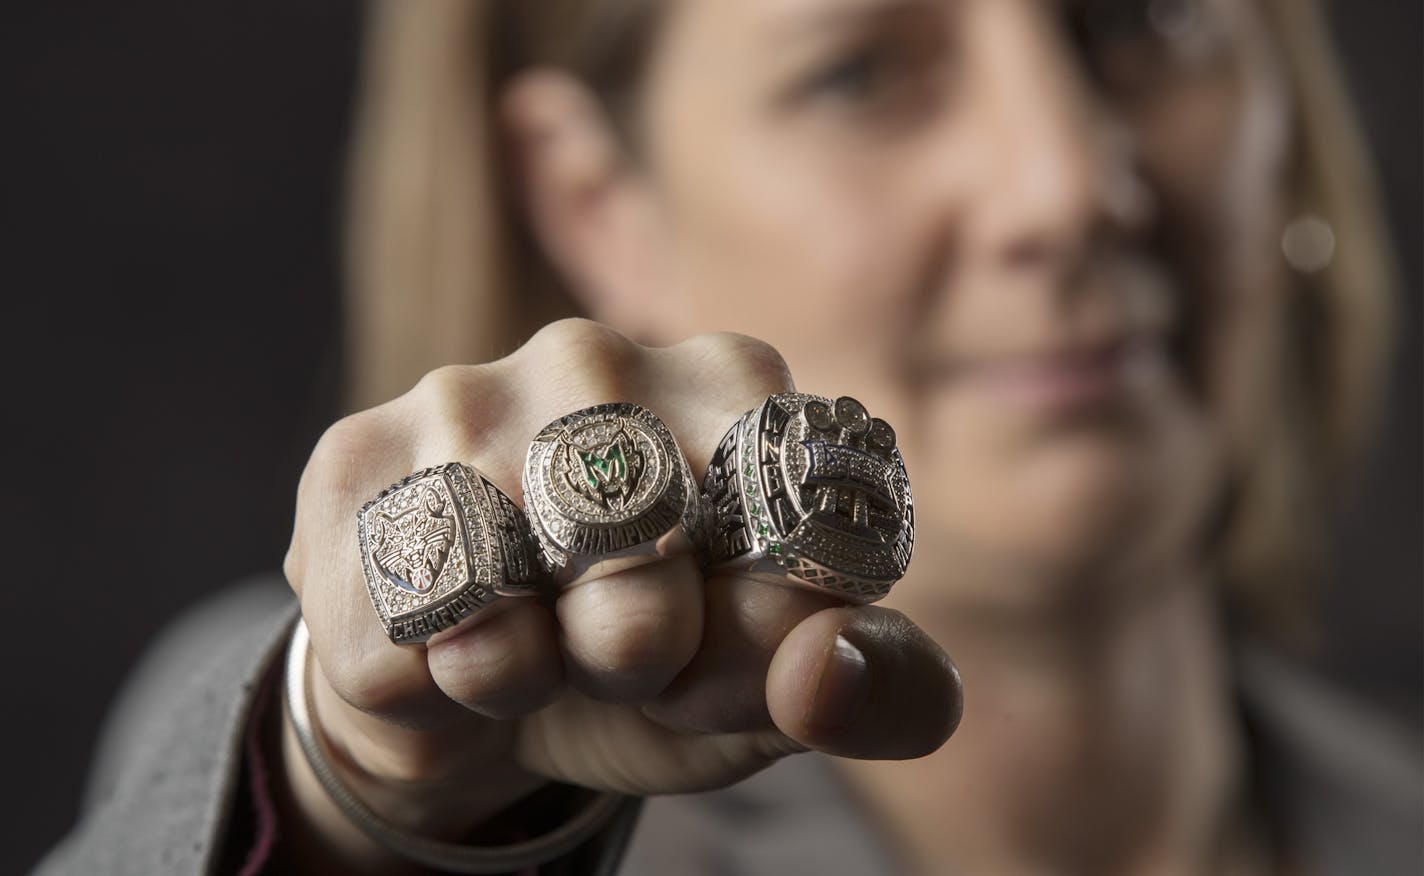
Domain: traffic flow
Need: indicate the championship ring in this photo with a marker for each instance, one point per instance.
(438, 546)
(814, 491)
(607, 483)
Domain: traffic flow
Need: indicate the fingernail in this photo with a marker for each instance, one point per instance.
(843, 689)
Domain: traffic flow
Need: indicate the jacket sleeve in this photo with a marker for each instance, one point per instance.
(169, 761)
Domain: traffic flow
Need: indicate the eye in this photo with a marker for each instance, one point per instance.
(857, 77)
(876, 71)
(893, 78)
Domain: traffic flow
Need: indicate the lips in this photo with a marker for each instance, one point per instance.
(1059, 378)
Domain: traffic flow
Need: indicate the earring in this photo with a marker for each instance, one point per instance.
(1308, 243)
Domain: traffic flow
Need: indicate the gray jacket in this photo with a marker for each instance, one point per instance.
(1343, 787)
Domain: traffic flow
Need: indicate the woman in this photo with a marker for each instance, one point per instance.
(1042, 240)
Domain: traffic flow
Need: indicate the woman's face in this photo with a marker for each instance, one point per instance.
(1036, 236)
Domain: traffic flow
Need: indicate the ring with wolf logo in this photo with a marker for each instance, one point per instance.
(439, 545)
(606, 481)
(813, 489)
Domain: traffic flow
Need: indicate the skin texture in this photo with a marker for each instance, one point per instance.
(1033, 243)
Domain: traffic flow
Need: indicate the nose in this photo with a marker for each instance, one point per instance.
(1059, 167)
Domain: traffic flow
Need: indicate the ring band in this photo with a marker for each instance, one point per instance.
(814, 491)
(605, 483)
(439, 545)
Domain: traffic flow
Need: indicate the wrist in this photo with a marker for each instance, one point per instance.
(438, 783)
(315, 834)
(388, 845)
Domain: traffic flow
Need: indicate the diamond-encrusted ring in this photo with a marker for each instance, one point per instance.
(607, 484)
(813, 491)
(439, 545)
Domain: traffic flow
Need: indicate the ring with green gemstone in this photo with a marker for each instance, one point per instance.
(605, 486)
(812, 491)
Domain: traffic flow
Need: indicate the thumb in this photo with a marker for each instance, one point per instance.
(863, 682)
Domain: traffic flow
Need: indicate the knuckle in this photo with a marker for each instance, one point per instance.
(639, 642)
(445, 386)
(455, 400)
(502, 691)
(370, 685)
(349, 682)
(629, 634)
(331, 486)
(340, 457)
(291, 567)
(752, 359)
(343, 441)
(472, 687)
(575, 332)
(486, 662)
(384, 700)
(581, 362)
(584, 341)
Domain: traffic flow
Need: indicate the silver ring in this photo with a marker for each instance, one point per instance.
(608, 483)
(439, 545)
(813, 491)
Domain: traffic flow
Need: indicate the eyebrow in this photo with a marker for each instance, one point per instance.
(820, 18)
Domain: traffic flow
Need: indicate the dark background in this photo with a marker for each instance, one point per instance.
(168, 224)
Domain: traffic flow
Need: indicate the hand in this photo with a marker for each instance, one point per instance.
(653, 679)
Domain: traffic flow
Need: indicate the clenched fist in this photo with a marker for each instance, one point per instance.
(654, 678)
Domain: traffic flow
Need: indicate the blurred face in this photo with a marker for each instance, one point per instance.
(1033, 235)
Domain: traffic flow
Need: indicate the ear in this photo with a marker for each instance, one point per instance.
(588, 205)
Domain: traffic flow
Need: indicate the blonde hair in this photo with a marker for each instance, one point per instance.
(437, 273)
(1329, 378)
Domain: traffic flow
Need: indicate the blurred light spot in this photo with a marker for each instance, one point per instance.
(1308, 243)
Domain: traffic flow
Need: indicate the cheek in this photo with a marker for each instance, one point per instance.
(794, 246)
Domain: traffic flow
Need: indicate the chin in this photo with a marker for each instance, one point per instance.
(1052, 525)
(1073, 505)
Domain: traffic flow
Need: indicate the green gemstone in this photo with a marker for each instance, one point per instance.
(751, 489)
(763, 530)
(749, 471)
(774, 549)
(755, 508)
(602, 468)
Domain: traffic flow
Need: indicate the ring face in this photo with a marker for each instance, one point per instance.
(603, 481)
(816, 489)
(439, 545)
